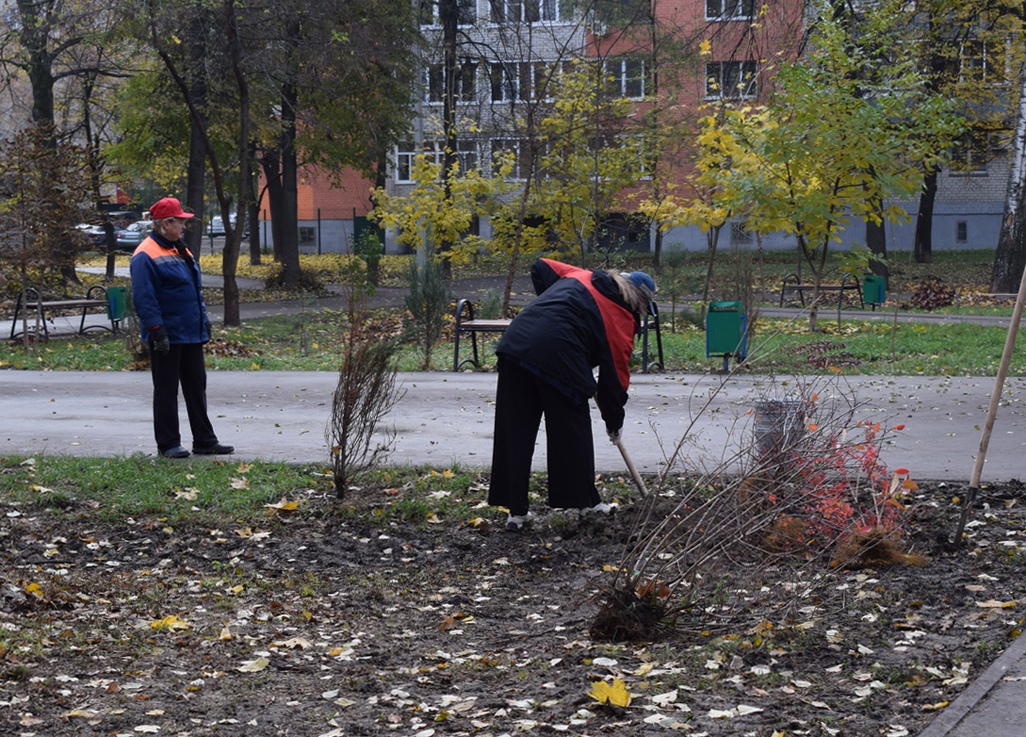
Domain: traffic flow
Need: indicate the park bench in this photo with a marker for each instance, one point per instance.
(793, 284)
(97, 300)
(468, 324)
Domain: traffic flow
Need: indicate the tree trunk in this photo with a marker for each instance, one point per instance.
(253, 209)
(876, 241)
(657, 251)
(1010, 257)
(712, 239)
(289, 215)
(448, 14)
(923, 242)
(233, 234)
(271, 163)
(196, 171)
(33, 33)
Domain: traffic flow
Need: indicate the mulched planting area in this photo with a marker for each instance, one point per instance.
(331, 622)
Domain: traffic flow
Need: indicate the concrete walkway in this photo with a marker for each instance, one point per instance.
(446, 418)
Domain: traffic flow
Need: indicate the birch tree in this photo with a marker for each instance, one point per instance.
(1010, 257)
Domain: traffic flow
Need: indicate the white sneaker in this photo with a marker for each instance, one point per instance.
(516, 522)
(602, 508)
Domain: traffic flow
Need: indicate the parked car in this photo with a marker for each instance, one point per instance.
(123, 218)
(93, 232)
(216, 227)
(133, 235)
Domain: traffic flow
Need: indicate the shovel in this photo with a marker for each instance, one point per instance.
(633, 469)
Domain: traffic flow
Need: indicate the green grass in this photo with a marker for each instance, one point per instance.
(312, 339)
(114, 489)
(313, 343)
(214, 493)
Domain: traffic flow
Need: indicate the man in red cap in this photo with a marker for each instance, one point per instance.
(167, 295)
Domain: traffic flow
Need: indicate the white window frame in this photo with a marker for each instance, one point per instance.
(518, 81)
(970, 157)
(434, 83)
(730, 9)
(620, 68)
(502, 12)
(718, 71)
(985, 66)
(467, 13)
(503, 145)
(467, 153)
(406, 153)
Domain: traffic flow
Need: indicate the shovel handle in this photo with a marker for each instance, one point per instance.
(638, 481)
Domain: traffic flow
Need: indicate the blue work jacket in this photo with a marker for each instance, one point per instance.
(167, 291)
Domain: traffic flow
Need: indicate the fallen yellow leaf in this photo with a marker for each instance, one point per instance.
(614, 693)
(169, 624)
(283, 506)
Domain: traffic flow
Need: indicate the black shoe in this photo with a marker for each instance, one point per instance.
(214, 450)
(176, 452)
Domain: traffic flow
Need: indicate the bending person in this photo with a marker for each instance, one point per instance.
(581, 320)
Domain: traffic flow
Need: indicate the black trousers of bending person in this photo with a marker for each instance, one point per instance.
(181, 366)
(521, 399)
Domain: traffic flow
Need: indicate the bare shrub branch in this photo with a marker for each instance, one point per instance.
(365, 393)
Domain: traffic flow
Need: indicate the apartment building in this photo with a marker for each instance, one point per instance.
(678, 54)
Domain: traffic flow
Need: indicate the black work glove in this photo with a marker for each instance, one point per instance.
(210, 330)
(158, 340)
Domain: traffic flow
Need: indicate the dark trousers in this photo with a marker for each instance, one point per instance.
(521, 399)
(182, 365)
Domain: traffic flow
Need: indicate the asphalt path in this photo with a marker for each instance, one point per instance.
(446, 418)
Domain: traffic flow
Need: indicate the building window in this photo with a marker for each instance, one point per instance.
(970, 155)
(961, 232)
(503, 147)
(518, 80)
(406, 155)
(982, 61)
(467, 155)
(730, 80)
(466, 10)
(307, 234)
(729, 9)
(466, 82)
(626, 77)
(523, 11)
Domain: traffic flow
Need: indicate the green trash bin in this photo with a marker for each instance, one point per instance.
(874, 290)
(117, 305)
(726, 331)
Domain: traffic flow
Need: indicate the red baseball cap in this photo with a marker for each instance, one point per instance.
(168, 207)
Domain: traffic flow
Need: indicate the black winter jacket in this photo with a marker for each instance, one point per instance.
(578, 322)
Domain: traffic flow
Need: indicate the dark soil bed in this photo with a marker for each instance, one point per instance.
(336, 623)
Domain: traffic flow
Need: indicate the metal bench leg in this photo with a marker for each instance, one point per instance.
(644, 346)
